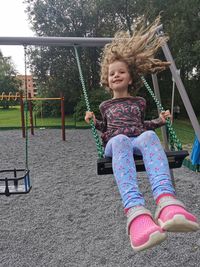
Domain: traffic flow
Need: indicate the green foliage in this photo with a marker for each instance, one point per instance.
(95, 99)
(45, 109)
(181, 22)
(8, 81)
(88, 18)
(102, 18)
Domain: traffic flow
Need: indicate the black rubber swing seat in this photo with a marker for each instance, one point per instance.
(15, 181)
(175, 159)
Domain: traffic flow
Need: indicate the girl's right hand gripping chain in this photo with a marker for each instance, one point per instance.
(90, 115)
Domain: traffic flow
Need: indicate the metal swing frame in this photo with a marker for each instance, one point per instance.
(100, 42)
(175, 158)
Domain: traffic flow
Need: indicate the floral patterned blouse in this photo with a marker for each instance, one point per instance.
(124, 116)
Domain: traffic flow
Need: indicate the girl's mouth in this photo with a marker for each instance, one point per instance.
(117, 81)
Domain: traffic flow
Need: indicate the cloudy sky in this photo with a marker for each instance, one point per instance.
(14, 22)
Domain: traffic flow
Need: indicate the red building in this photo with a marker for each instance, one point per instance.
(31, 86)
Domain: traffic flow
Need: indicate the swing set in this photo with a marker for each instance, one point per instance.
(175, 154)
(17, 181)
(104, 164)
(20, 96)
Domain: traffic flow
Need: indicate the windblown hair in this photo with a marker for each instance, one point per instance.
(137, 51)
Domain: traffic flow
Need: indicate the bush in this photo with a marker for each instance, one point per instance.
(95, 98)
(45, 109)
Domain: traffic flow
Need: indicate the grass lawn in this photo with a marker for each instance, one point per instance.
(184, 132)
(12, 118)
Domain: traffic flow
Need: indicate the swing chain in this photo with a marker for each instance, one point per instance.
(26, 104)
(94, 131)
(173, 139)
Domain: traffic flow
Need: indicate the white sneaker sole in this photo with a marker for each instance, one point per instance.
(179, 224)
(154, 239)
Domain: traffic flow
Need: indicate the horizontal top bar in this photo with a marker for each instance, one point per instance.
(44, 98)
(56, 41)
(61, 41)
(15, 97)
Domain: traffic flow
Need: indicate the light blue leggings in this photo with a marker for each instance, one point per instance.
(121, 149)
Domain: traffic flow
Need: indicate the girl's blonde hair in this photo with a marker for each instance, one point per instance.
(137, 51)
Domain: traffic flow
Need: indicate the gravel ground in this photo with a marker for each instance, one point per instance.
(72, 217)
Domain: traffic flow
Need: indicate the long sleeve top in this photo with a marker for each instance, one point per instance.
(124, 116)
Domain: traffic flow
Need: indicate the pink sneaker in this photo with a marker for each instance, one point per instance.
(143, 231)
(173, 217)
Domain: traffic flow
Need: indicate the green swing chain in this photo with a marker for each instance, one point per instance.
(94, 131)
(26, 108)
(173, 140)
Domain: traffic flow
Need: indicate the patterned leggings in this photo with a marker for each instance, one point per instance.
(121, 149)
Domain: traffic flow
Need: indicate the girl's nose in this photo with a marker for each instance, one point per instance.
(116, 74)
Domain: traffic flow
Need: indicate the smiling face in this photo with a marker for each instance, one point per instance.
(119, 78)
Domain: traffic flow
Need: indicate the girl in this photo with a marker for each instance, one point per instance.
(124, 132)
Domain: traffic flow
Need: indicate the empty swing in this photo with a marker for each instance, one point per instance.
(17, 181)
(104, 164)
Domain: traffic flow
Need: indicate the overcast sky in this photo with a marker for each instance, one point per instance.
(14, 22)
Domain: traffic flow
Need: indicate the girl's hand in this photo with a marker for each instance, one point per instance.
(90, 115)
(164, 115)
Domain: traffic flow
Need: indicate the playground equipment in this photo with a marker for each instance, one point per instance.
(17, 181)
(104, 164)
(175, 157)
(29, 99)
(10, 96)
(62, 107)
(100, 42)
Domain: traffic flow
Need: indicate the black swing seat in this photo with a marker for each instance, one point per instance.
(175, 159)
(15, 181)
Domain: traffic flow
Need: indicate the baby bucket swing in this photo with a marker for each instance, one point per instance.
(104, 164)
(17, 181)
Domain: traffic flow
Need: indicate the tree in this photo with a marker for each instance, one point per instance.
(56, 67)
(8, 81)
(181, 22)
